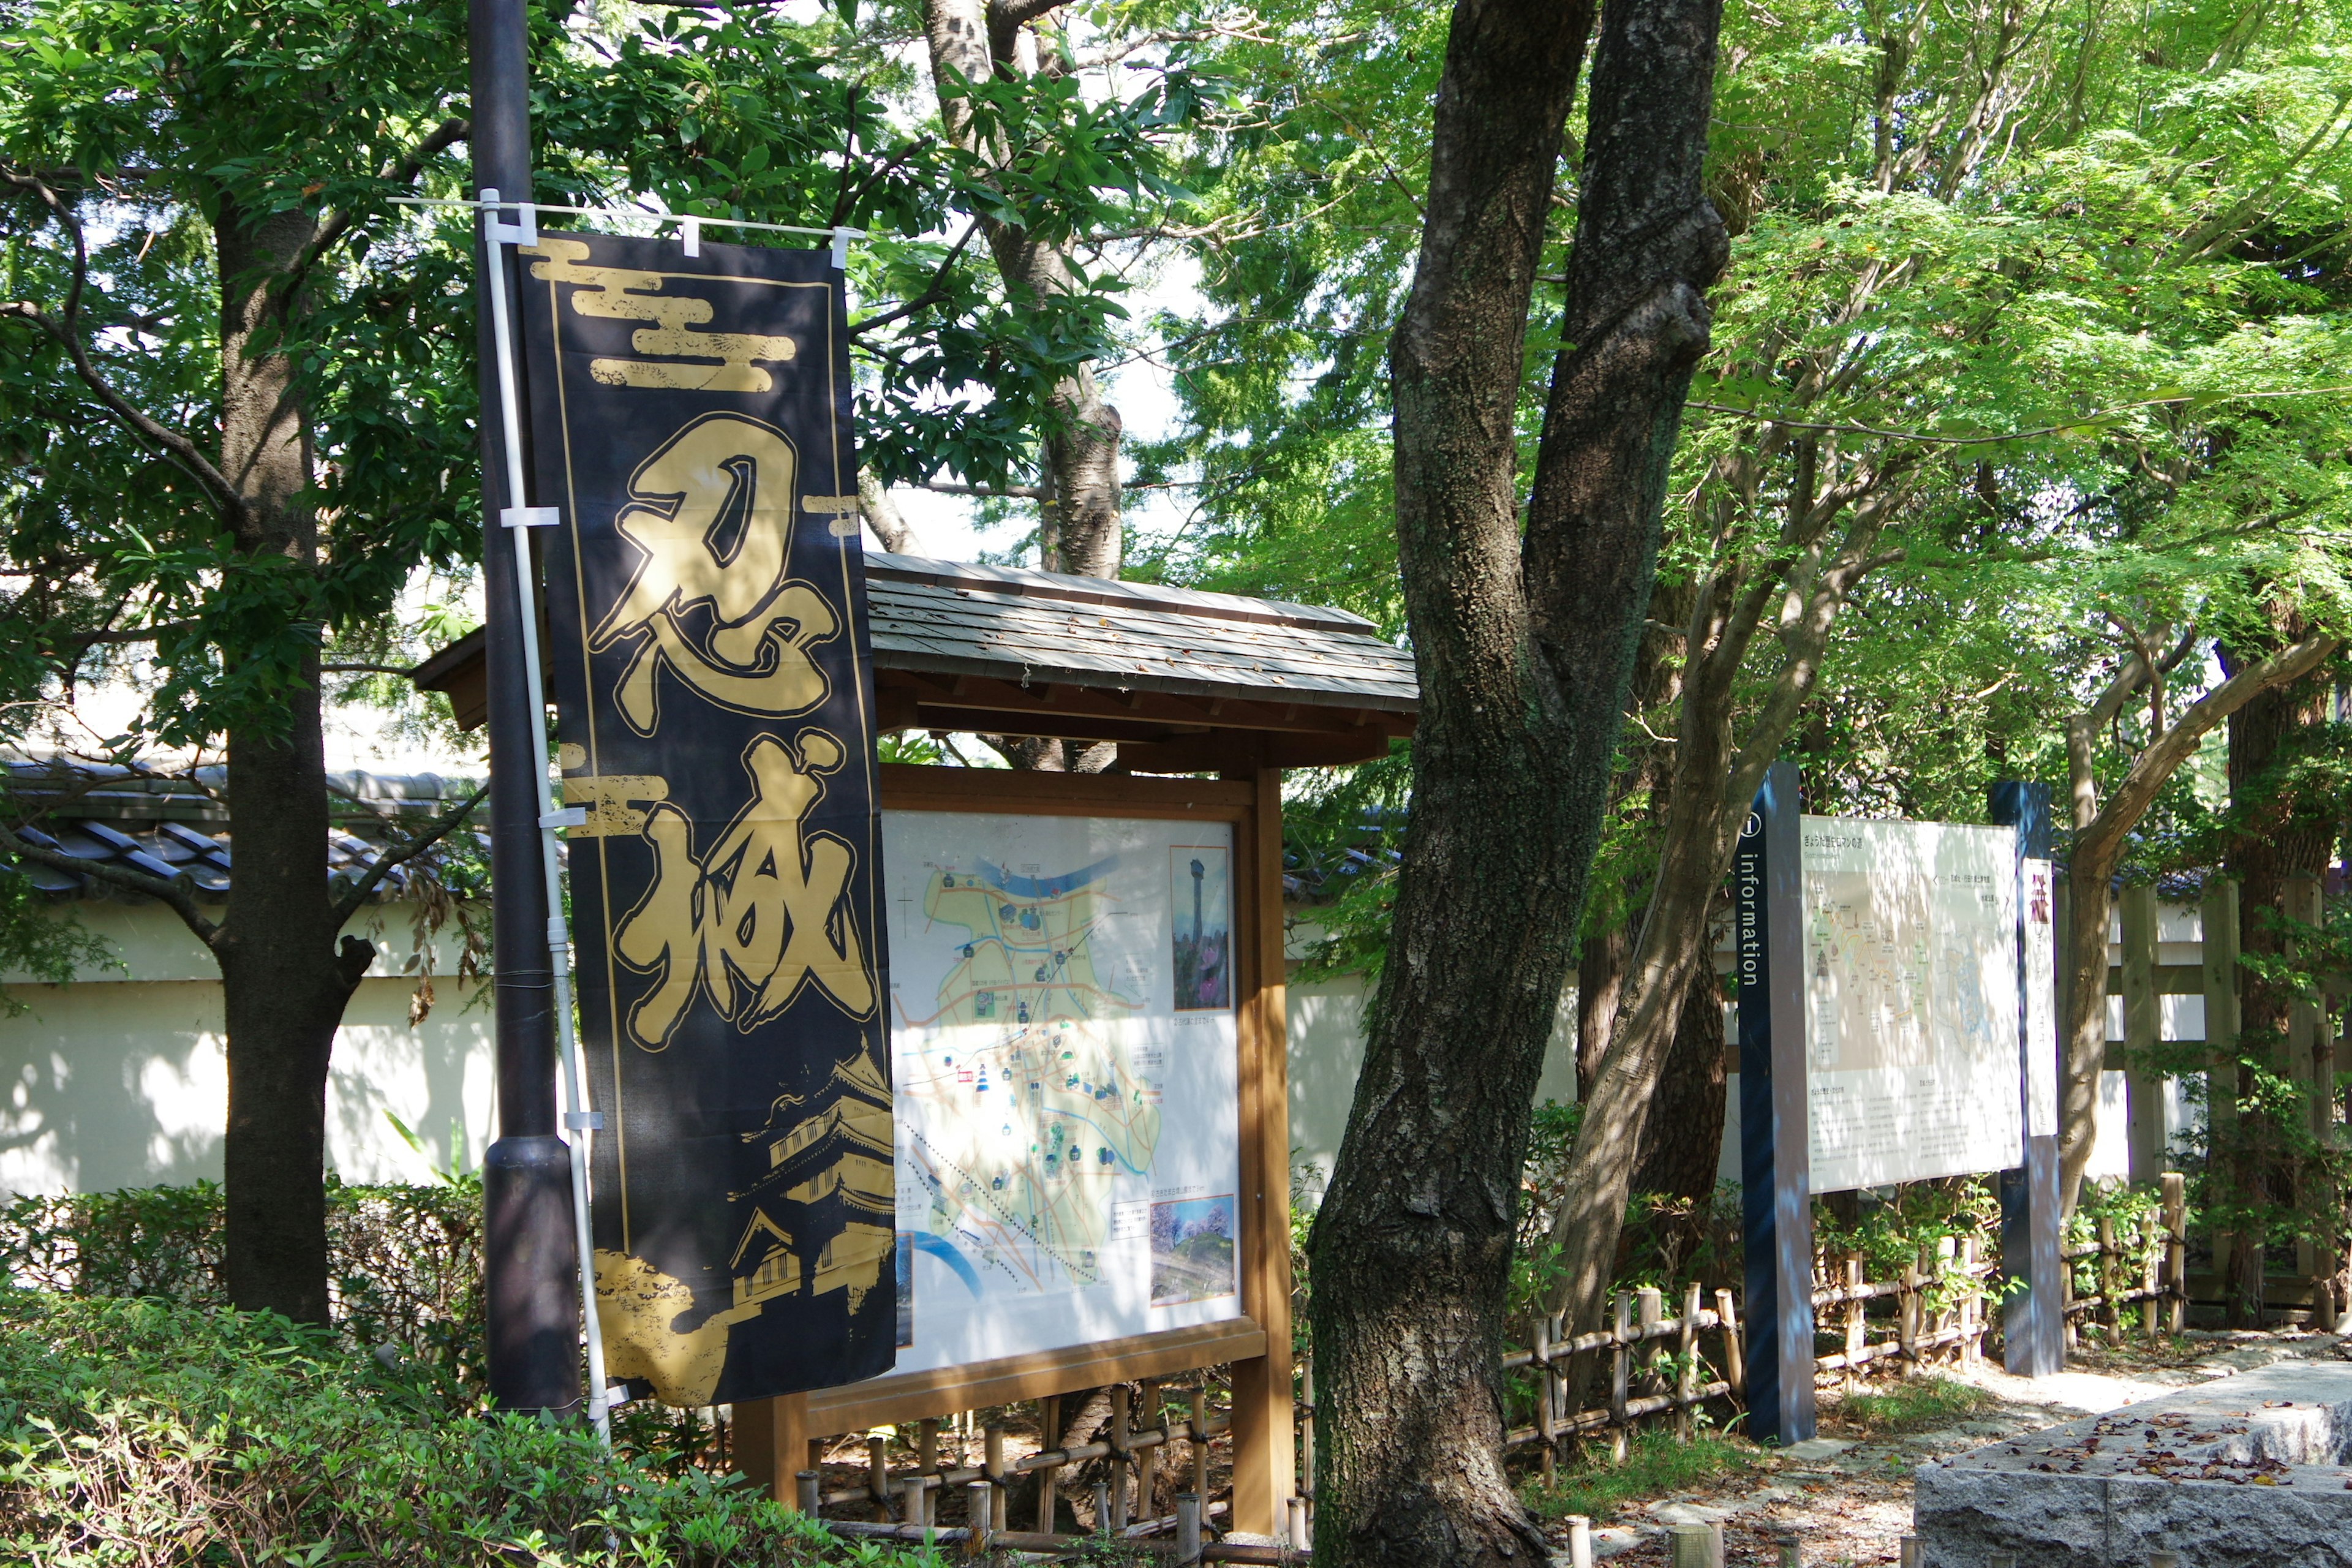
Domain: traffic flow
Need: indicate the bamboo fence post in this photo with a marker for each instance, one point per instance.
(1971, 1304)
(878, 1471)
(1620, 1337)
(1907, 1318)
(927, 1446)
(1146, 1460)
(1580, 1541)
(1545, 1432)
(911, 1491)
(1792, 1550)
(1294, 1524)
(810, 1485)
(1651, 1305)
(1947, 1248)
(1122, 1462)
(1188, 1528)
(992, 1466)
(1049, 1433)
(1698, 1546)
(1102, 1507)
(1914, 1552)
(2109, 1284)
(2066, 1295)
(2150, 1250)
(1856, 1329)
(978, 1498)
(1735, 1356)
(1201, 1436)
(1687, 1367)
(2175, 1247)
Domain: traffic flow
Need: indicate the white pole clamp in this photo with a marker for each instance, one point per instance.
(565, 816)
(531, 516)
(524, 230)
(585, 1121)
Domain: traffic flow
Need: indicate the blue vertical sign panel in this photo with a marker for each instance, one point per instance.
(1778, 1213)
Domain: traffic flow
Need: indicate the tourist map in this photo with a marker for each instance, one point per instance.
(1065, 1078)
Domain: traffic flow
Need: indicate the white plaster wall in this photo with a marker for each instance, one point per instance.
(120, 1079)
(1325, 1021)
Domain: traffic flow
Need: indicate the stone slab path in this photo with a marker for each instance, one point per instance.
(1847, 1496)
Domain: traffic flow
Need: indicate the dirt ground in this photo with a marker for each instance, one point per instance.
(1847, 1497)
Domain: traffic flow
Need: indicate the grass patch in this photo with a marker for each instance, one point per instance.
(1915, 1405)
(1655, 1466)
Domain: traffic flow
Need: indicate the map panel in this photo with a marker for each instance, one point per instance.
(1911, 1001)
(1066, 1064)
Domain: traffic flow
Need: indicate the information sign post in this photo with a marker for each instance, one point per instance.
(1774, 1154)
(2033, 1319)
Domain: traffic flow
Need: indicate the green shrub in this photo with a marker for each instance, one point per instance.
(405, 1263)
(148, 1432)
(1915, 1405)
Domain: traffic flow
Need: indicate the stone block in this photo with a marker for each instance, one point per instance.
(2254, 1471)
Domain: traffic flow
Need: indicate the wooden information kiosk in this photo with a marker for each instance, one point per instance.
(1209, 697)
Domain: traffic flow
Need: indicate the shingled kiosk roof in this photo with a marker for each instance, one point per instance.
(1185, 681)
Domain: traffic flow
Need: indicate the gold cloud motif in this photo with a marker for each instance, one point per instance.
(624, 294)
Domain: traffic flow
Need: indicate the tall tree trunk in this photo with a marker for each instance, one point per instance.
(1080, 531)
(1682, 1145)
(2288, 835)
(1713, 776)
(1525, 646)
(2101, 832)
(284, 981)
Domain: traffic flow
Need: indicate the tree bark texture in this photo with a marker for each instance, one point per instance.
(1079, 530)
(1682, 1146)
(284, 981)
(1524, 650)
(2101, 832)
(2288, 835)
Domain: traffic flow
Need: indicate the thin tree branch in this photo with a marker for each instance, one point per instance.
(67, 335)
(950, 488)
(178, 893)
(935, 293)
(1768, 417)
(443, 136)
(349, 904)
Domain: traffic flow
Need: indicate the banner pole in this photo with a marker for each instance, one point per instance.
(579, 1119)
(528, 1240)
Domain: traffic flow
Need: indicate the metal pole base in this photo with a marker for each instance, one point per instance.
(534, 1303)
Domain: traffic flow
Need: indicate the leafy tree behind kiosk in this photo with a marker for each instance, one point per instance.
(235, 398)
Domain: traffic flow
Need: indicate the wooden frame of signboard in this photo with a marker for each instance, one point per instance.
(773, 1436)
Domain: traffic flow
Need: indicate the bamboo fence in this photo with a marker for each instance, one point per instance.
(1939, 1311)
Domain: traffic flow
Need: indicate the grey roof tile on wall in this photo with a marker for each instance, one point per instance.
(166, 826)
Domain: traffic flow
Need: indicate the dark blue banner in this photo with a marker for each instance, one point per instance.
(707, 641)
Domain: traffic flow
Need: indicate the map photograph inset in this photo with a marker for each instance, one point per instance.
(1192, 1250)
(1200, 891)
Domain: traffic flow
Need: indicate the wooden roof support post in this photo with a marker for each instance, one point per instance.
(772, 1444)
(1264, 1455)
